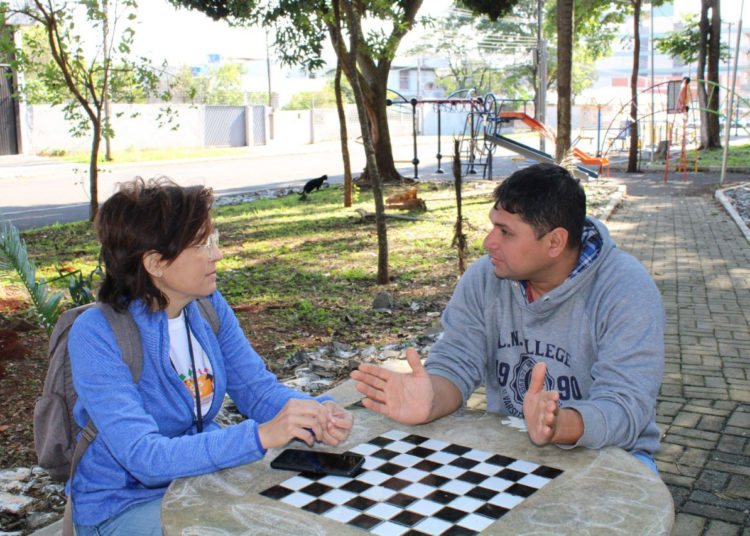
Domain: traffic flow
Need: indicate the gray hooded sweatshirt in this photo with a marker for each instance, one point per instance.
(600, 333)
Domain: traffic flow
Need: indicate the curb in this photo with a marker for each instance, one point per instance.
(614, 201)
(722, 198)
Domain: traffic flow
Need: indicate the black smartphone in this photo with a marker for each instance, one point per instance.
(346, 464)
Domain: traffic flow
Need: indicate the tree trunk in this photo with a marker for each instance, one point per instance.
(701, 71)
(94, 170)
(633, 152)
(377, 114)
(564, 67)
(344, 137)
(383, 276)
(107, 140)
(713, 137)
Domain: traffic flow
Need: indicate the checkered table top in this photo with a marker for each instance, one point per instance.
(415, 485)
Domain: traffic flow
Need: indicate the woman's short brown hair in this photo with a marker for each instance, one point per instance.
(143, 216)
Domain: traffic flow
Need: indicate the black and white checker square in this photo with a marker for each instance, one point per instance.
(413, 485)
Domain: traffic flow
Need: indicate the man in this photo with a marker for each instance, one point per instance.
(563, 328)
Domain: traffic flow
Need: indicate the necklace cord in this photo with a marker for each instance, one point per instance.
(198, 408)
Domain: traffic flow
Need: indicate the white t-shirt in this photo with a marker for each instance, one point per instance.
(180, 356)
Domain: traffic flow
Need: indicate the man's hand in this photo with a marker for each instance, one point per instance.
(546, 422)
(406, 398)
(540, 408)
(338, 424)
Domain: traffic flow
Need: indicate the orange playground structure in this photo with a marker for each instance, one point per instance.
(543, 129)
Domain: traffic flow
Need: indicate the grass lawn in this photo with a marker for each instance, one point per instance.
(737, 156)
(299, 275)
(302, 273)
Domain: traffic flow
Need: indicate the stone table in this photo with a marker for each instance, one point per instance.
(603, 491)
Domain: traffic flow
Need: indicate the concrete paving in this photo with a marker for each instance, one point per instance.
(701, 263)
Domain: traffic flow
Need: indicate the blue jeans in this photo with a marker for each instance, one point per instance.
(143, 519)
(646, 459)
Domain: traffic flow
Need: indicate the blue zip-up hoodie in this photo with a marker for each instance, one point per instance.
(147, 431)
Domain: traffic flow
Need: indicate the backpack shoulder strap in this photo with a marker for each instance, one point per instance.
(127, 336)
(208, 311)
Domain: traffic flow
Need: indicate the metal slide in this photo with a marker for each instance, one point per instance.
(582, 172)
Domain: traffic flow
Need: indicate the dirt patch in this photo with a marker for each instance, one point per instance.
(21, 386)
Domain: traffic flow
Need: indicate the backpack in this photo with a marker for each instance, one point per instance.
(55, 429)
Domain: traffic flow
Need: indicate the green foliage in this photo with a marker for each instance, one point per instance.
(80, 287)
(494, 9)
(258, 97)
(83, 69)
(458, 38)
(47, 304)
(595, 25)
(70, 74)
(225, 85)
(738, 156)
(583, 71)
(325, 98)
(684, 44)
(305, 311)
(482, 54)
(221, 86)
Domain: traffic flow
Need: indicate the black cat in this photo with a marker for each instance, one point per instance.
(313, 184)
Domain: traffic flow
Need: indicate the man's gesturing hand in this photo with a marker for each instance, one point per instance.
(540, 408)
(546, 421)
(406, 398)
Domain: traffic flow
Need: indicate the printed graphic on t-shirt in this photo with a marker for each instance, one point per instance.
(514, 379)
(205, 386)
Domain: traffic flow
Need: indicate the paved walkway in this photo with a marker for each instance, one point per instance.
(701, 264)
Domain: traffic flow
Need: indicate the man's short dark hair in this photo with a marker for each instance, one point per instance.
(545, 196)
(157, 215)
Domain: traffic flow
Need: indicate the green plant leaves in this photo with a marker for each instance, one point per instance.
(48, 304)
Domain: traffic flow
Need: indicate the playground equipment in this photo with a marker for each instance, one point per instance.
(494, 118)
(481, 134)
(675, 116)
(675, 106)
(453, 102)
(674, 110)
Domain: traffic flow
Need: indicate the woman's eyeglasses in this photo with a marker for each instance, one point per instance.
(211, 244)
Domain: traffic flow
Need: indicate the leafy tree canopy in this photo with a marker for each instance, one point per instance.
(494, 9)
(324, 98)
(498, 55)
(684, 44)
(595, 24)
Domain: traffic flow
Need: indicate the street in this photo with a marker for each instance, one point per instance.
(36, 191)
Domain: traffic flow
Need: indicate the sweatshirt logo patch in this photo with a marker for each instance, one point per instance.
(521, 378)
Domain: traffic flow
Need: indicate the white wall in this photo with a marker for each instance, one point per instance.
(45, 128)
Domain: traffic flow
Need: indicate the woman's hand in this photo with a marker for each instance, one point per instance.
(306, 420)
(338, 424)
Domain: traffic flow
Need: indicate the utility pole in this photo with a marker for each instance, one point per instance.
(270, 98)
(653, 105)
(541, 62)
(730, 101)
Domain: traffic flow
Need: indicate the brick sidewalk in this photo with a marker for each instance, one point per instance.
(701, 264)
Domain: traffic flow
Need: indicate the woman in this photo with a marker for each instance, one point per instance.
(160, 251)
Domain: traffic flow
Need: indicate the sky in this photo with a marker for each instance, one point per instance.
(185, 37)
(190, 36)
